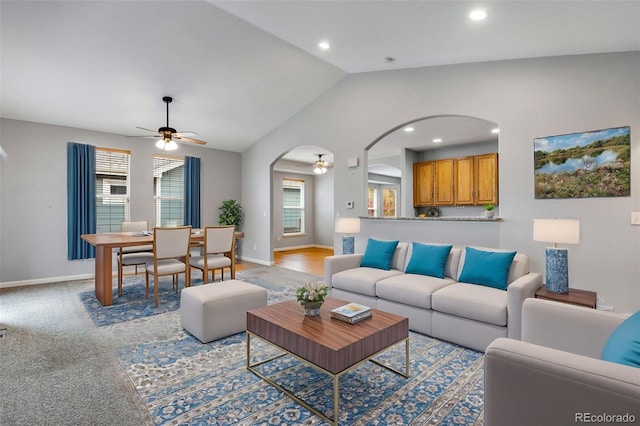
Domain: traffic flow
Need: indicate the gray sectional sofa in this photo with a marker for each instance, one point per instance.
(556, 375)
(467, 314)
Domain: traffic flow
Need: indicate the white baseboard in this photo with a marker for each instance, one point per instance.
(258, 261)
(48, 280)
(302, 247)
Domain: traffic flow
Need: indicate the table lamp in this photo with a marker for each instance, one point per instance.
(347, 225)
(565, 231)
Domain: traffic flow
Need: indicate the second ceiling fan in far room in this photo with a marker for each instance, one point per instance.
(167, 135)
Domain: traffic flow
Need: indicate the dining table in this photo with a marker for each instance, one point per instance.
(104, 244)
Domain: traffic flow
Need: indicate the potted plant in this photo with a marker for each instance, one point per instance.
(488, 210)
(230, 213)
(311, 297)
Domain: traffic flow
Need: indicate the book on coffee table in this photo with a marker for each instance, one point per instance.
(351, 313)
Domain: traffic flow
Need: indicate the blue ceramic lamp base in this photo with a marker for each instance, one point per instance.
(348, 245)
(557, 265)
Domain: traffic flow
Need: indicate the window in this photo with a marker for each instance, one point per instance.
(293, 206)
(385, 207)
(168, 190)
(389, 196)
(372, 202)
(112, 189)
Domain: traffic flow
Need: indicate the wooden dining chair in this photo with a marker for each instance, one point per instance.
(134, 255)
(170, 257)
(217, 253)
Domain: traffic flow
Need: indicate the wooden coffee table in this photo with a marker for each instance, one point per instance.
(331, 346)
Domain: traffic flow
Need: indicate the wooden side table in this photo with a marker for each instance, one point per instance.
(574, 296)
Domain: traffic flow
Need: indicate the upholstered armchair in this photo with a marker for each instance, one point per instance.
(555, 376)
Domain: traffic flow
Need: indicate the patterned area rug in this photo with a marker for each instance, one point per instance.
(182, 381)
(185, 382)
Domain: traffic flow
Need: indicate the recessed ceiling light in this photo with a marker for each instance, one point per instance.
(495, 131)
(324, 45)
(409, 129)
(478, 15)
(437, 140)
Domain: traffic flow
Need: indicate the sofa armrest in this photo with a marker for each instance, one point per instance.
(337, 263)
(519, 290)
(527, 384)
(548, 323)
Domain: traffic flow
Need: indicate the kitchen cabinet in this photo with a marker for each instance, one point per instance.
(486, 179)
(464, 182)
(423, 184)
(468, 181)
(443, 182)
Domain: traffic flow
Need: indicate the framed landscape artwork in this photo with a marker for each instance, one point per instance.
(579, 165)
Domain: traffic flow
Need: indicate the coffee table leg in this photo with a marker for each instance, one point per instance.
(335, 377)
(392, 369)
(248, 350)
(336, 398)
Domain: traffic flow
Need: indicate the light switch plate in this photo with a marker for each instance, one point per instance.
(635, 218)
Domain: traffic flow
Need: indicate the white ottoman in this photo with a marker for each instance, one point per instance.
(213, 311)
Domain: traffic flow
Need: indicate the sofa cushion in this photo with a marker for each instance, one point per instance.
(623, 345)
(450, 269)
(361, 280)
(379, 254)
(410, 289)
(519, 267)
(427, 259)
(488, 268)
(475, 302)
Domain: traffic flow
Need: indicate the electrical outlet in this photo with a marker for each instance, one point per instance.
(635, 218)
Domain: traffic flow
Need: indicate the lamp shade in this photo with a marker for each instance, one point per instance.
(565, 231)
(347, 225)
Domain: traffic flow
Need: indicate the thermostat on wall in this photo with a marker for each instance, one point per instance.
(352, 162)
(349, 204)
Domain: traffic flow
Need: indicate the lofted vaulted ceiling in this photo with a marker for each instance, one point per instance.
(239, 69)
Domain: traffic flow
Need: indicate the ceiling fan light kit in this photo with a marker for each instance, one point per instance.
(320, 166)
(167, 145)
(168, 135)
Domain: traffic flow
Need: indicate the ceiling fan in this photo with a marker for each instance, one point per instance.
(320, 166)
(168, 135)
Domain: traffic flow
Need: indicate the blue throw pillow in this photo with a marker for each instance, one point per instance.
(488, 268)
(428, 260)
(379, 254)
(623, 346)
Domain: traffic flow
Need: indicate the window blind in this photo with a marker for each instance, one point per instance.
(112, 189)
(293, 206)
(168, 190)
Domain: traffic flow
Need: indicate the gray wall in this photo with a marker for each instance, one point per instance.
(279, 240)
(323, 210)
(33, 231)
(318, 211)
(528, 98)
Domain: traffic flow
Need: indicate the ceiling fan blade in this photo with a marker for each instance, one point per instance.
(148, 130)
(197, 141)
(183, 134)
(156, 136)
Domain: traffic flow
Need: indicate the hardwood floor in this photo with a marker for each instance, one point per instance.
(309, 260)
